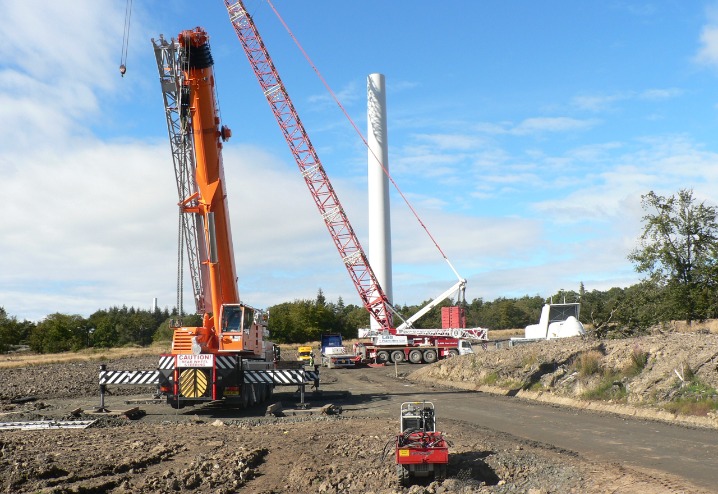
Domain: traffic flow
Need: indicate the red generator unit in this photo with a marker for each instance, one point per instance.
(421, 451)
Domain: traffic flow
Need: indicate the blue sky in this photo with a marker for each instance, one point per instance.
(524, 133)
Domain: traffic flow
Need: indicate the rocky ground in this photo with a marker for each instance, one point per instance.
(652, 376)
(167, 451)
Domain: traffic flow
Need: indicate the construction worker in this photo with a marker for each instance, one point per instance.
(311, 359)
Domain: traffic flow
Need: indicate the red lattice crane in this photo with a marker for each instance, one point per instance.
(341, 231)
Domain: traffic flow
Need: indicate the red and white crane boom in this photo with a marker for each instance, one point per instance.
(341, 231)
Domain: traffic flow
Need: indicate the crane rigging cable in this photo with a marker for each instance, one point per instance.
(125, 38)
(361, 136)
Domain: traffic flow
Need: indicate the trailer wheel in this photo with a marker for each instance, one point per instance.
(402, 474)
(415, 356)
(430, 356)
(382, 356)
(397, 356)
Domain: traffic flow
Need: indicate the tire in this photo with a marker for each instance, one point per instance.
(245, 396)
(415, 356)
(382, 356)
(430, 356)
(440, 472)
(262, 393)
(397, 356)
(402, 474)
(452, 353)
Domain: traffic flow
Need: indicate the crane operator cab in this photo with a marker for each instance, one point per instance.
(236, 321)
(242, 329)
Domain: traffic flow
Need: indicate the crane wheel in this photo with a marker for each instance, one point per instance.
(430, 356)
(397, 356)
(403, 475)
(415, 356)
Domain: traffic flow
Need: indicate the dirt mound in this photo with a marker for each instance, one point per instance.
(650, 372)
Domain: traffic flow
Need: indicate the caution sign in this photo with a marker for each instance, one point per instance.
(403, 452)
(191, 360)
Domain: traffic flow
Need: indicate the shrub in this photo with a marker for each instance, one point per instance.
(490, 379)
(608, 388)
(639, 360)
(695, 398)
(588, 363)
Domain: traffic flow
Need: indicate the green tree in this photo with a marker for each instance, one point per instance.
(59, 333)
(5, 331)
(12, 331)
(677, 251)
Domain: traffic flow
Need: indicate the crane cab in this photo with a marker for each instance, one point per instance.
(242, 329)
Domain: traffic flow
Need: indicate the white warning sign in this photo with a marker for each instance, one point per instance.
(191, 360)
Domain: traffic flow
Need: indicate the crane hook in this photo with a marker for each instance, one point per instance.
(125, 38)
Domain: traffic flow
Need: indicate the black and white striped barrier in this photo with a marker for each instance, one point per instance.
(125, 378)
(277, 377)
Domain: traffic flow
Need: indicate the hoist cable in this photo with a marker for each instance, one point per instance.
(126, 37)
(361, 136)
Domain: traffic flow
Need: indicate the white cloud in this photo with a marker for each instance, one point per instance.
(597, 103)
(660, 94)
(538, 125)
(708, 44)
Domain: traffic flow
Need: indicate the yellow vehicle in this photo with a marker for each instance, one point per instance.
(305, 355)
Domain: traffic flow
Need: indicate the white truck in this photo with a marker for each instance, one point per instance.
(556, 321)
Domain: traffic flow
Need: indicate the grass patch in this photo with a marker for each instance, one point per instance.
(588, 363)
(608, 388)
(536, 386)
(86, 355)
(638, 362)
(490, 379)
(695, 398)
(530, 360)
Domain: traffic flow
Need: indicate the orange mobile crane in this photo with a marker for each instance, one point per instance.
(228, 357)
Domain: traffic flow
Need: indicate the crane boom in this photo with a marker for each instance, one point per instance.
(186, 73)
(341, 231)
(172, 68)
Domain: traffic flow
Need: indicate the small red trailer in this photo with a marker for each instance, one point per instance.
(421, 451)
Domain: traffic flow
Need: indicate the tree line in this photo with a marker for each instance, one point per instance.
(677, 252)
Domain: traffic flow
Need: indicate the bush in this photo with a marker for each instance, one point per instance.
(608, 388)
(588, 363)
(695, 398)
(639, 360)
